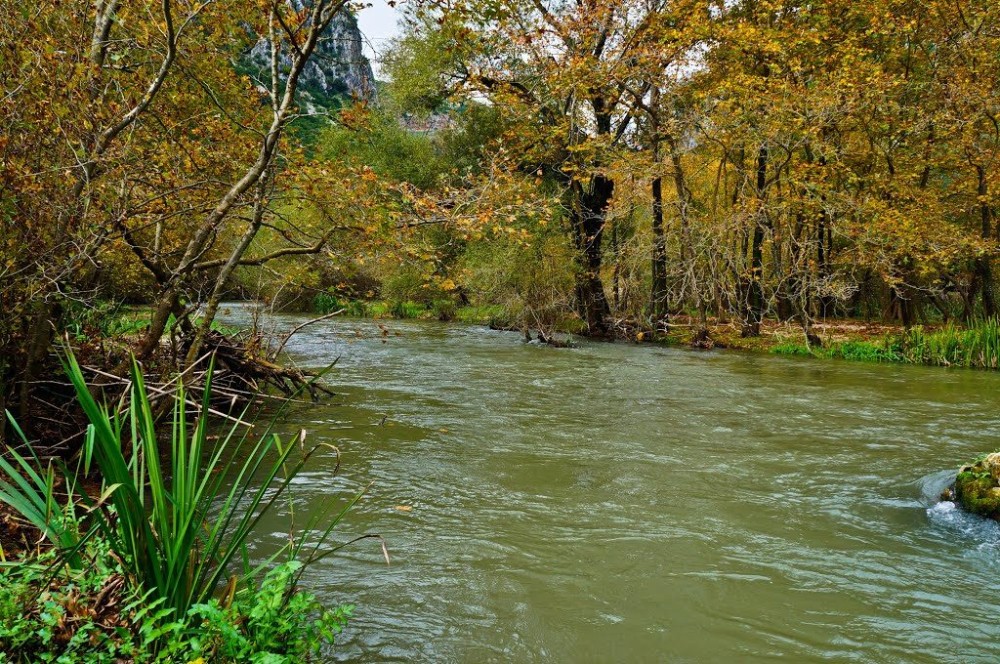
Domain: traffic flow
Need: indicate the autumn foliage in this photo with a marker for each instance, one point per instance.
(613, 163)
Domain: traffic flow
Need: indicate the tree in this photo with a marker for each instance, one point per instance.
(153, 144)
(561, 73)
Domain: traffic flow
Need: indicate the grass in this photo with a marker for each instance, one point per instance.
(861, 351)
(440, 309)
(977, 346)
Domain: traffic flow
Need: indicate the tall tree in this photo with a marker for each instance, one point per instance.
(561, 72)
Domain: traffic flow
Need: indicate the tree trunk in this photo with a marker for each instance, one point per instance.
(588, 218)
(40, 334)
(754, 313)
(984, 264)
(212, 305)
(658, 293)
(684, 197)
(658, 301)
(167, 304)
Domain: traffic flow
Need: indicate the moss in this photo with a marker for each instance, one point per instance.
(976, 486)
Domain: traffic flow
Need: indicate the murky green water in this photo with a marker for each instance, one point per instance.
(618, 503)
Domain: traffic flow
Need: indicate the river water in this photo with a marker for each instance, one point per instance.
(615, 503)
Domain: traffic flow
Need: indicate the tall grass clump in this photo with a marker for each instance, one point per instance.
(976, 346)
(405, 310)
(176, 508)
(326, 303)
(866, 351)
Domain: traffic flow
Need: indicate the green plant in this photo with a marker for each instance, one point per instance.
(444, 310)
(106, 318)
(356, 309)
(179, 530)
(792, 348)
(176, 530)
(404, 310)
(865, 351)
(50, 613)
(274, 619)
(859, 351)
(32, 494)
(325, 303)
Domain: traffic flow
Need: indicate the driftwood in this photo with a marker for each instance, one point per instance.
(242, 370)
(245, 372)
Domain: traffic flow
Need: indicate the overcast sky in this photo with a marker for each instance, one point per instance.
(378, 25)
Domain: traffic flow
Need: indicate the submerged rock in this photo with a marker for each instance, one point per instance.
(977, 486)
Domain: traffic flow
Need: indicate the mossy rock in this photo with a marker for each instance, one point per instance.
(977, 486)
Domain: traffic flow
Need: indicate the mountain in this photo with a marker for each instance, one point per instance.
(338, 69)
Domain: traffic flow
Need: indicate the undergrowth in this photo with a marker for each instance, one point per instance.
(50, 612)
(154, 565)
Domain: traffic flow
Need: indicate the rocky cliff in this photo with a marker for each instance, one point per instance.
(338, 68)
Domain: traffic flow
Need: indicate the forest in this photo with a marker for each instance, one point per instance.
(594, 167)
(805, 178)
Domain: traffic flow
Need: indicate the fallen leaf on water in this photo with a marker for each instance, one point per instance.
(404, 508)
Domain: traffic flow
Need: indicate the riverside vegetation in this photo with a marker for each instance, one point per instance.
(151, 564)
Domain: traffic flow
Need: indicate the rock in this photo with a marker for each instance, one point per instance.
(977, 486)
(338, 68)
(992, 461)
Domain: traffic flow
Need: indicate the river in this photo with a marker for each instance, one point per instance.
(614, 502)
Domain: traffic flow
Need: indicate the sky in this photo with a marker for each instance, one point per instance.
(378, 25)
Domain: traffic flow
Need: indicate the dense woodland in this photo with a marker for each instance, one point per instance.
(592, 166)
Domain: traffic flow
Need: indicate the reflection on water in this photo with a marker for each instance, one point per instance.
(630, 503)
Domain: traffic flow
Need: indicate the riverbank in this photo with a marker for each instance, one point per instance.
(947, 345)
(975, 346)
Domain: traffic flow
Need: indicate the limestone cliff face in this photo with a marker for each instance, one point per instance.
(338, 67)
